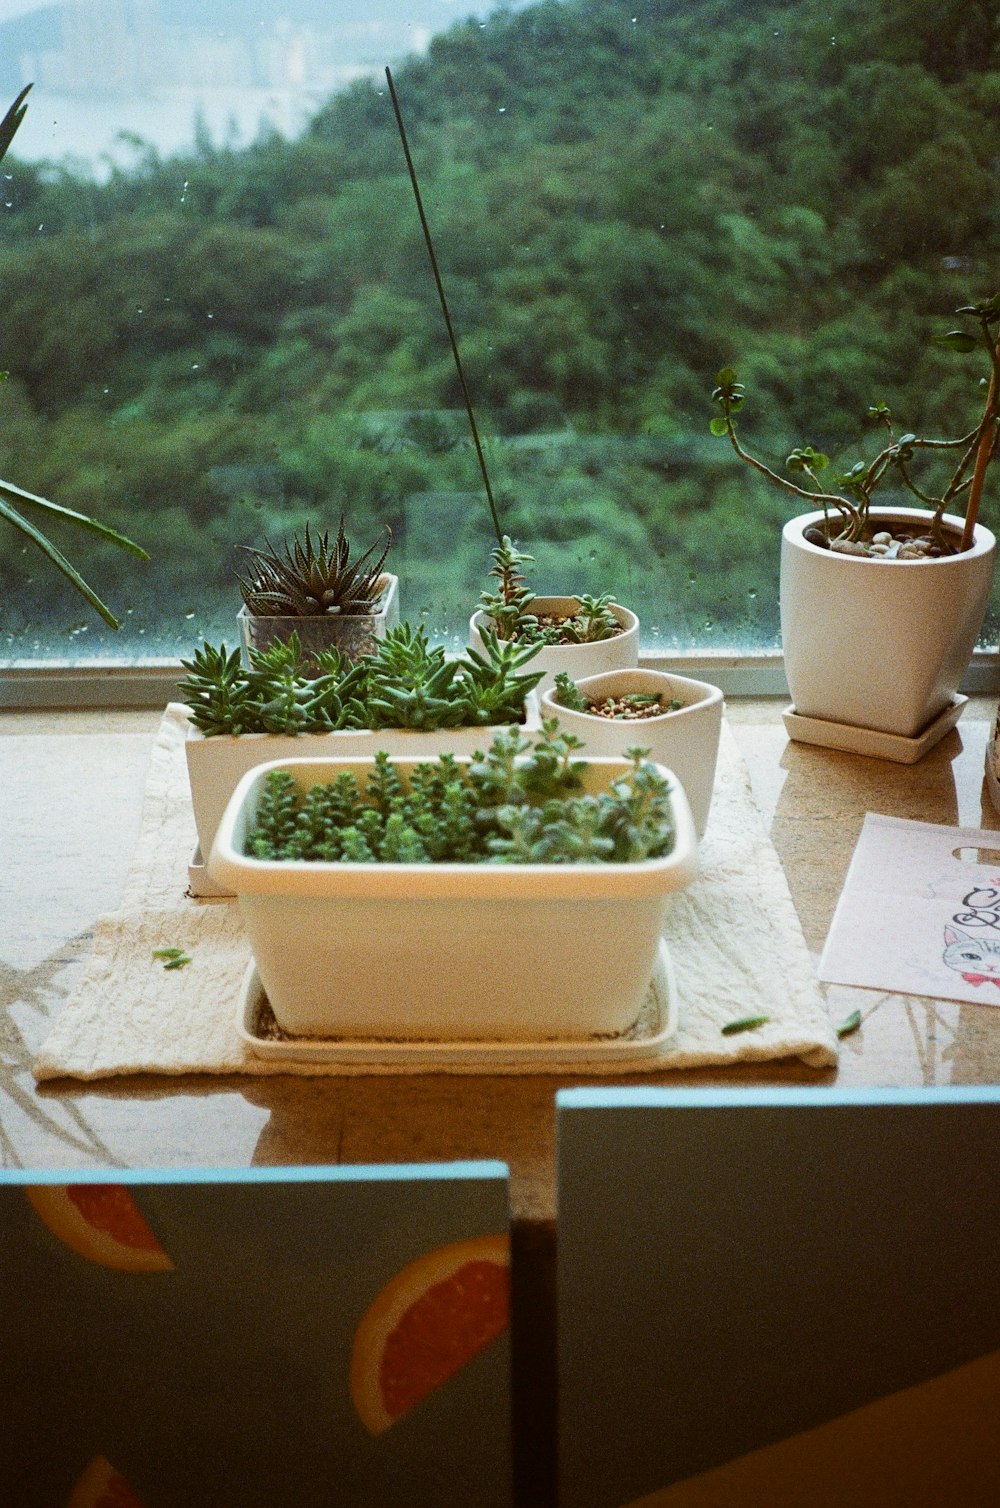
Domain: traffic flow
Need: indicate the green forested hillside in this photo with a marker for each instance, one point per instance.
(624, 199)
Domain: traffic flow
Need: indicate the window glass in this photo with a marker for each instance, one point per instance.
(219, 321)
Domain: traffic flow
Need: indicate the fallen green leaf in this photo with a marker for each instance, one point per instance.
(177, 963)
(849, 1024)
(745, 1024)
(168, 952)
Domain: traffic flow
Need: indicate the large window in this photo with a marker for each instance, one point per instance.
(219, 321)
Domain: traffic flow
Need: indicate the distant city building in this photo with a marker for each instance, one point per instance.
(126, 47)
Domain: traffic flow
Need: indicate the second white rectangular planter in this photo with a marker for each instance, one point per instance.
(450, 951)
(217, 764)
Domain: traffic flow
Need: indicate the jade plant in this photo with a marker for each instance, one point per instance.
(901, 459)
(625, 706)
(499, 808)
(14, 499)
(311, 577)
(404, 683)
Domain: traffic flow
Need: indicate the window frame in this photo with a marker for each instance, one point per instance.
(105, 684)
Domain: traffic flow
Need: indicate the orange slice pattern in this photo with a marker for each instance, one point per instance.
(100, 1221)
(427, 1322)
(100, 1486)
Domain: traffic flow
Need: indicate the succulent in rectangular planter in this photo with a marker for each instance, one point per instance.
(313, 586)
(407, 697)
(383, 898)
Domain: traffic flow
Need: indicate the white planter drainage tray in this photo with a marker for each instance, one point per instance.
(450, 952)
(653, 1030)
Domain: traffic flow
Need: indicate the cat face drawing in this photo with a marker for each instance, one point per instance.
(977, 959)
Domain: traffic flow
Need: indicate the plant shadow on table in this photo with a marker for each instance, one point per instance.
(35, 995)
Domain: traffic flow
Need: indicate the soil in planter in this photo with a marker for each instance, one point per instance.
(632, 707)
(551, 629)
(898, 543)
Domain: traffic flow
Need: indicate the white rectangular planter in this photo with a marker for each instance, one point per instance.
(217, 764)
(450, 951)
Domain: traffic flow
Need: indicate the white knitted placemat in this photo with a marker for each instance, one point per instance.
(734, 937)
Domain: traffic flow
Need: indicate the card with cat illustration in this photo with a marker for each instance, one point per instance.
(919, 913)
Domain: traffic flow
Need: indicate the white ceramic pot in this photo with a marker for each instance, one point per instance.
(217, 764)
(880, 644)
(686, 741)
(352, 633)
(616, 653)
(436, 951)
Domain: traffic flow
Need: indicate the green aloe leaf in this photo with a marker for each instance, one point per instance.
(11, 121)
(81, 520)
(744, 1024)
(59, 561)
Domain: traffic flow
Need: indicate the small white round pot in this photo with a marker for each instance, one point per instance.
(880, 644)
(616, 653)
(686, 741)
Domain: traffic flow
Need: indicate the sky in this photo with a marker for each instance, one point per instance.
(86, 126)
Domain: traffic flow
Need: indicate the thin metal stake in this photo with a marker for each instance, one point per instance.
(444, 308)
